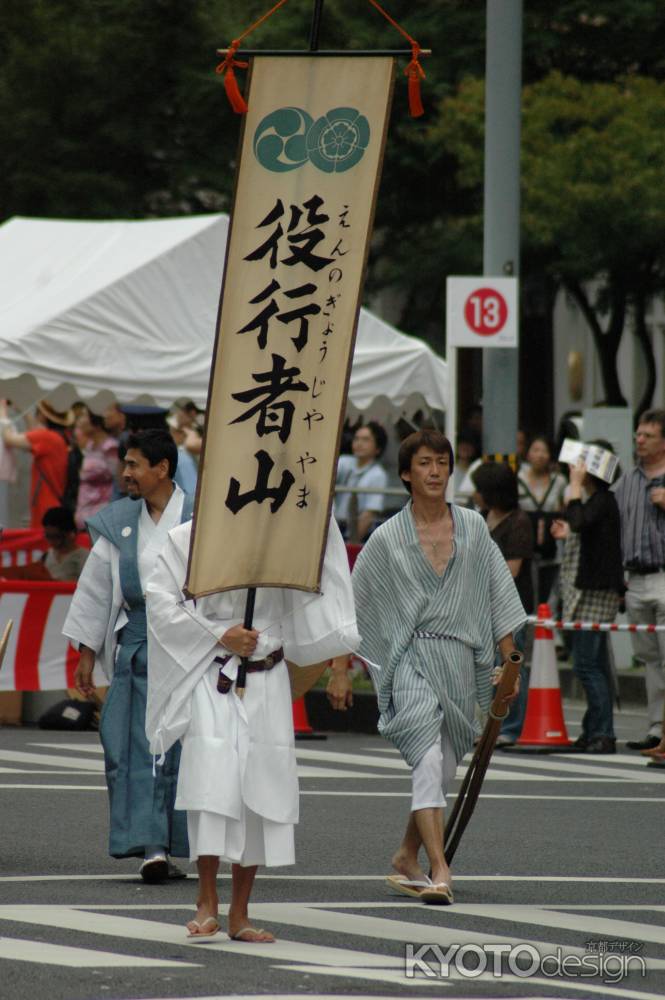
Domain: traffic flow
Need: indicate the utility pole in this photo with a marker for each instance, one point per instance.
(501, 233)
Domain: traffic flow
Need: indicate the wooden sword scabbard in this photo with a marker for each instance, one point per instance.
(473, 779)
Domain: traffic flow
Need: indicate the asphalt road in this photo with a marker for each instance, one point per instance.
(563, 857)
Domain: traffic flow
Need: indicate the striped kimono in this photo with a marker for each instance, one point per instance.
(429, 640)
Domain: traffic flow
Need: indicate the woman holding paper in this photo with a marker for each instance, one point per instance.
(592, 582)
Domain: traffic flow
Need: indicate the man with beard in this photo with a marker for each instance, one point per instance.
(107, 620)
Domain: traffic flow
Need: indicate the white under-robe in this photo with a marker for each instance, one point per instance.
(238, 778)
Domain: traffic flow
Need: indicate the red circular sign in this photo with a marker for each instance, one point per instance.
(486, 311)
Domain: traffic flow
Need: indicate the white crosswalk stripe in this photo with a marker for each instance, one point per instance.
(375, 765)
(354, 942)
(134, 922)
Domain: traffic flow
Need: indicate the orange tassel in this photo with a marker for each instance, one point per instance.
(414, 72)
(236, 100)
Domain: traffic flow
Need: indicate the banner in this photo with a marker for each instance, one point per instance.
(38, 657)
(309, 168)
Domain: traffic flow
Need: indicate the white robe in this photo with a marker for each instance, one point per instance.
(238, 779)
(97, 612)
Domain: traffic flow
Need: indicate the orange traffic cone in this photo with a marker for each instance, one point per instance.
(301, 727)
(544, 724)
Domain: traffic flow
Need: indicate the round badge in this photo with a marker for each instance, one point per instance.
(126, 532)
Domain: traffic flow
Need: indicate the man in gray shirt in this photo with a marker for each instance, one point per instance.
(640, 495)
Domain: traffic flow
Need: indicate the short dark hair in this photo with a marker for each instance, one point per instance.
(60, 518)
(96, 420)
(155, 445)
(653, 417)
(546, 441)
(426, 438)
(497, 484)
(378, 433)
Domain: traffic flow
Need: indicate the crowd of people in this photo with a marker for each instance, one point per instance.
(593, 547)
(77, 455)
(439, 598)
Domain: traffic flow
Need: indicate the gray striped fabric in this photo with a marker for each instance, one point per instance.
(642, 522)
(423, 683)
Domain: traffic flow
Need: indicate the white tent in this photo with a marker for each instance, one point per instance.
(127, 310)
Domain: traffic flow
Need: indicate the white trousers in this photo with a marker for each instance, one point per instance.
(432, 775)
(645, 604)
(251, 840)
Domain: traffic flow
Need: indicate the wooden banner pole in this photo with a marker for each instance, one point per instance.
(241, 679)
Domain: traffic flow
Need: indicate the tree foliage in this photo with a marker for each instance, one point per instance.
(111, 108)
(593, 169)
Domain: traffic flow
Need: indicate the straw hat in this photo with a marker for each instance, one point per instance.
(65, 419)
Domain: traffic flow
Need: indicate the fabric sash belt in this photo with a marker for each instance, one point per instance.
(422, 634)
(135, 631)
(224, 683)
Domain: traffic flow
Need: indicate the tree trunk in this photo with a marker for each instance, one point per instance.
(606, 341)
(642, 334)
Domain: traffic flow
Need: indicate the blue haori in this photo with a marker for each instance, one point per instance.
(141, 805)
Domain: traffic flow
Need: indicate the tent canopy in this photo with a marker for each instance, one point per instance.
(127, 310)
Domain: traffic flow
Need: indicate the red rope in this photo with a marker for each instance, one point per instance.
(414, 71)
(237, 101)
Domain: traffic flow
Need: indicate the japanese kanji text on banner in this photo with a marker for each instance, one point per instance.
(309, 170)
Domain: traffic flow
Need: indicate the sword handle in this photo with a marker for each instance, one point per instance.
(498, 710)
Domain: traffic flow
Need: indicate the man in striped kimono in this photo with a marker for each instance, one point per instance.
(434, 598)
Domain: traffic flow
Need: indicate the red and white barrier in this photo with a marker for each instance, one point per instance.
(38, 657)
(562, 626)
(21, 548)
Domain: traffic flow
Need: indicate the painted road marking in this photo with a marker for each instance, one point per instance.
(84, 747)
(569, 984)
(21, 950)
(509, 769)
(564, 764)
(485, 795)
(77, 764)
(38, 771)
(322, 916)
(614, 879)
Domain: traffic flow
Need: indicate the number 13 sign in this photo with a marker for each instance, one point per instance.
(481, 312)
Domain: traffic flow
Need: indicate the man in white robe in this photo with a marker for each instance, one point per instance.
(107, 621)
(238, 778)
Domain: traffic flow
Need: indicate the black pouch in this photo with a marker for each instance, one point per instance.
(69, 715)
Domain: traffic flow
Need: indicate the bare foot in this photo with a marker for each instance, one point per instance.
(206, 921)
(406, 865)
(252, 935)
(441, 874)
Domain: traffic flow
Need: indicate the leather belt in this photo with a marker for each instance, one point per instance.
(645, 570)
(224, 683)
